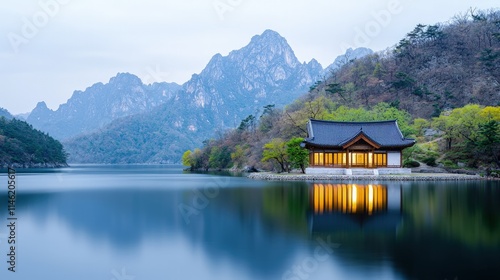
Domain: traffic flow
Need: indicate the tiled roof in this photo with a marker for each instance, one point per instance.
(336, 134)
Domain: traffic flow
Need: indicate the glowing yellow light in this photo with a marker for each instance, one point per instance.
(348, 198)
(354, 198)
(321, 198)
(344, 199)
(370, 199)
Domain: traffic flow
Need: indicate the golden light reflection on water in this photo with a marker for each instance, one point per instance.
(349, 198)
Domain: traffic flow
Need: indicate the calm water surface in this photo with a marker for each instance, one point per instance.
(156, 222)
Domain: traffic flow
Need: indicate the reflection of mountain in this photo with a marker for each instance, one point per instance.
(125, 219)
(353, 207)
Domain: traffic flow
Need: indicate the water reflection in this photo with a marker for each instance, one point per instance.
(349, 198)
(452, 231)
(231, 228)
(469, 214)
(258, 230)
(347, 207)
(424, 230)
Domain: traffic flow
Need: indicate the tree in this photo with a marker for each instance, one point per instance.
(238, 156)
(276, 150)
(219, 157)
(489, 141)
(490, 113)
(335, 88)
(419, 125)
(187, 159)
(383, 111)
(199, 159)
(307, 109)
(298, 156)
(268, 118)
(461, 124)
(247, 124)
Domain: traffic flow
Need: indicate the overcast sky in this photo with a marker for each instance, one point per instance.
(49, 48)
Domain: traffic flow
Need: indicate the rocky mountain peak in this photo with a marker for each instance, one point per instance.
(314, 66)
(266, 49)
(348, 56)
(125, 79)
(41, 106)
(40, 112)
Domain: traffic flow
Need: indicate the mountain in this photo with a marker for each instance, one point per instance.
(100, 104)
(160, 136)
(349, 56)
(229, 89)
(23, 146)
(5, 113)
(264, 72)
(23, 116)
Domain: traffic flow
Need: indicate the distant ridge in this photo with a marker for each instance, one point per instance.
(98, 105)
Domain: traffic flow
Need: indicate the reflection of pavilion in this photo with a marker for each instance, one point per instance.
(347, 207)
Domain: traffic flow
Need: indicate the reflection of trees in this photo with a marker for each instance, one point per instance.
(287, 205)
(468, 213)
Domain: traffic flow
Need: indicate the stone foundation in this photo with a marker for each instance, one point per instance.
(357, 171)
(330, 177)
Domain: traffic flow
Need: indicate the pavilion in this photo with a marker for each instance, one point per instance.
(347, 148)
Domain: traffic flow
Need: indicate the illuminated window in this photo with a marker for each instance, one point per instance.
(318, 159)
(358, 159)
(380, 159)
(328, 159)
(339, 159)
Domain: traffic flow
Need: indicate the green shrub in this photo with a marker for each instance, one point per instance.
(431, 161)
(409, 163)
(450, 164)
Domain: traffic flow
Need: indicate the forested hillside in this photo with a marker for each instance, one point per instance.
(441, 83)
(432, 69)
(144, 138)
(23, 146)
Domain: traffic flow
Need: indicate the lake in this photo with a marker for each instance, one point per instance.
(158, 222)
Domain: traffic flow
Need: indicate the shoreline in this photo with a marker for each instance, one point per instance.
(30, 165)
(268, 176)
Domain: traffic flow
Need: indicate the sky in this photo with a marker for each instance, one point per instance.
(50, 48)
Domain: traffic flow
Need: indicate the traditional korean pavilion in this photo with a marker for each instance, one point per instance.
(355, 147)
